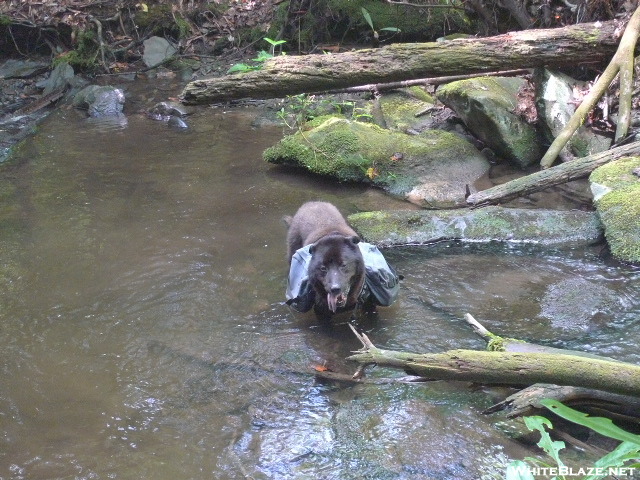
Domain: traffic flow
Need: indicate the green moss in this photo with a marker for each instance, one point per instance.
(421, 94)
(496, 344)
(156, 16)
(184, 29)
(287, 151)
(317, 121)
(619, 211)
(489, 223)
(85, 55)
(616, 174)
(579, 146)
(375, 226)
(400, 110)
(356, 151)
(160, 20)
(497, 88)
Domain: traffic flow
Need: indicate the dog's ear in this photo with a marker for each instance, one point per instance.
(312, 248)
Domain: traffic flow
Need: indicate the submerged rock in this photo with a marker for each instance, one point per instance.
(486, 106)
(430, 169)
(548, 227)
(177, 122)
(556, 103)
(616, 191)
(100, 101)
(576, 303)
(164, 110)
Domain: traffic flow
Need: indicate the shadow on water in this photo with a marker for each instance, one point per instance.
(144, 333)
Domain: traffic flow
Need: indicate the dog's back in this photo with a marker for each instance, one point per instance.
(312, 221)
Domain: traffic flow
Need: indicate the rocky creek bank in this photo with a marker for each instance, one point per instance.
(433, 149)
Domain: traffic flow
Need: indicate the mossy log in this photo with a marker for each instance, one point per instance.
(508, 368)
(527, 400)
(587, 43)
(565, 172)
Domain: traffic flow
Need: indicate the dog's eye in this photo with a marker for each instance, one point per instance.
(323, 269)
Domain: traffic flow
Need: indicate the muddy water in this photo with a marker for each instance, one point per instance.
(142, 273)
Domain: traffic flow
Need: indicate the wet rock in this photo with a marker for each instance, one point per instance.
(177, 122)
(616, 191)
(61, 76)
(430, 169)
(156, 51)
(164, 110)
(100, 101)
(13, 68)
(486, 106)
(488, 224)
(577, 304)
(367, 427)
(556, 103)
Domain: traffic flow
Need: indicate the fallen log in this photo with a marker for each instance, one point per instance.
(507, 367)
(587, 43)
(565, 172)
(527, 400)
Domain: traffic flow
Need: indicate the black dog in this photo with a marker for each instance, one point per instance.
(336, 271)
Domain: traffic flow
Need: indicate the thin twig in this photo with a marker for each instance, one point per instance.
(377, 87)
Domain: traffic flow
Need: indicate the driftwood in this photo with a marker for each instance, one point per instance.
(565, 172)
(587, 43)
(507, 368)
(622, 63)
(595, 402)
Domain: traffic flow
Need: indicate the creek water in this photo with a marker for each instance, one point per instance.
(144, 336)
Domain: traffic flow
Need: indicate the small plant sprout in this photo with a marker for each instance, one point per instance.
(274, 44)
(262, 57)
(376, 35)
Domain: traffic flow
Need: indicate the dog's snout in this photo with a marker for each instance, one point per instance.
(335, 289)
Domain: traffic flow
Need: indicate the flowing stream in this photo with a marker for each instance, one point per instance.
(143, 332)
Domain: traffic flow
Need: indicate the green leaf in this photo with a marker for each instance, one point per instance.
(274, 43)
(367, 17)
(262, 56)
(391, 29)
(241, 67)
(603, 426)
(551, 447)
(624, 452)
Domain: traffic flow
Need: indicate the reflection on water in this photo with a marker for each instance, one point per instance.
(143, 333)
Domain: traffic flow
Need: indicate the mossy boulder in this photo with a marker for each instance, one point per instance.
(555, 103)
(399, 110)
(430, 169)
(488, 224)
(616, 189)
(486, 106)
